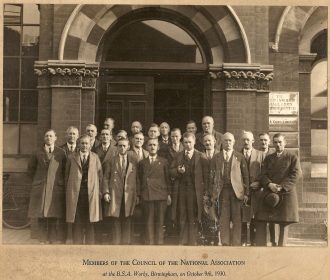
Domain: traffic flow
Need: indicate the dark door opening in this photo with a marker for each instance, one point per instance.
(178, 99)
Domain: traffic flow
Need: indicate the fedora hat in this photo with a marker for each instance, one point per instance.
(272, 199)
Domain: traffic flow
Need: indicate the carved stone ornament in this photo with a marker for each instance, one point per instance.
(243, 79)
(67, 76)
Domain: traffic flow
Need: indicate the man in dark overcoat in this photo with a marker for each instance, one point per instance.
(187, 169)
(279, 176)
(47, 198)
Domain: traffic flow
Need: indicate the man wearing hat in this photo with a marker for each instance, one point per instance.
(279, 176)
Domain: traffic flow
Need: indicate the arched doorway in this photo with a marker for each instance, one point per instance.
(152, 70)
(217, 37)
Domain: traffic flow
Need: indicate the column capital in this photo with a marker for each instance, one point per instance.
(66, 73)
(242, 76)
(305, 62)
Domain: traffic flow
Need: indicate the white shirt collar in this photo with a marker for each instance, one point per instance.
(83, 154)
(71, 145)
(51, 147)
(229, 153)
(152, 157)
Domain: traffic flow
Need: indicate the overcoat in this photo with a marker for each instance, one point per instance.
(198, 180)
(73, 176)
(117, 183)
(284, 171)
(47, 198)
(239, 175)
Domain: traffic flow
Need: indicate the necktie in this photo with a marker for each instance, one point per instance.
(247, 155)
(123, 164)
(50, 150)
(226, 156)
(151, 159)
(72, 148)
(84, 159)
(139, 154)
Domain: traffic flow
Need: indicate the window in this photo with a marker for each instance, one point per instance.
(152, 41)
(20, 95)
(319, 101)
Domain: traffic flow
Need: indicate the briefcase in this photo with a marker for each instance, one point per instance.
(246, 213)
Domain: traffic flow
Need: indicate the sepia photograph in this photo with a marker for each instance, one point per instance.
(185, 129)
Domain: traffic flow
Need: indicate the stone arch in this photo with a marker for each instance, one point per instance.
(219, 26)
(315, 24)
(289, 28)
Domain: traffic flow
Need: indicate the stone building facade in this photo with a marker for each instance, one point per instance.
(81, 63)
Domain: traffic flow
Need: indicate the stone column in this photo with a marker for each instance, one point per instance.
(69, 89)
(305, 68)
(242, 91)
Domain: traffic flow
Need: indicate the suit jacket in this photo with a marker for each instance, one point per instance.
(171, 154)
(145, 154)
(154, 178)
(47, 193)
(198, 180)
(284, 171)
(206, 168)
(67, 151)
(73, 176)
(254, 167)
(117, 183)
(95, 145)
(199, 141)
(239, 175)
(105, 156)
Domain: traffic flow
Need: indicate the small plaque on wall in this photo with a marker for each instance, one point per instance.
(279, 123)
(283, 103)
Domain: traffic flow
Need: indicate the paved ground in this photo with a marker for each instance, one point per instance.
(10, 236)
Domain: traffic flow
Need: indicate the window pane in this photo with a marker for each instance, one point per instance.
(12, 14)
(28, 141)
(10, 105)
(29, 106)
(30, 44)
(11, 73)
(31, 14)
(10, 139)
(152, 41)
(12, 37)
(29, 80)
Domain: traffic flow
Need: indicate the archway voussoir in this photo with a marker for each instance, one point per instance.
(94, 12)
(71, 48)
(228, 26)
(202, 22)
(81, 27)
(96, 35)
(107, 19)
(87, 52)
(120, 10)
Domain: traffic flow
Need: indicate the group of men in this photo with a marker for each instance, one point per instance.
(190, 185)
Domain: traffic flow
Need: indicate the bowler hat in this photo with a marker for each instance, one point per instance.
(272, 199)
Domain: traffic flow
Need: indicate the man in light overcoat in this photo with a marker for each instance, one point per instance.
(121, 190)
(83, 192)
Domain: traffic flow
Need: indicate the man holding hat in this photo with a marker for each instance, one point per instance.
(279, 175)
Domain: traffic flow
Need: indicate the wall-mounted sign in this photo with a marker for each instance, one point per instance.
(279, 123)
(283, 103)
(292, 138)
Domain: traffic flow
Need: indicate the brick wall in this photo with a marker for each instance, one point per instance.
(255, 22)
(66, 110)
